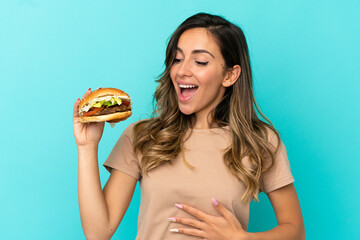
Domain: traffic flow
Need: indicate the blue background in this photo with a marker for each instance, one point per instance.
(305, 61)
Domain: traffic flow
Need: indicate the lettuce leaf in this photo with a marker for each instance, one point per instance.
(111, 102)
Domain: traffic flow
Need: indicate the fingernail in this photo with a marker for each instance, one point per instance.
(174, 230)
(215, 202)
(171, 219)
(89, 89)
(178, 205)
(78, 99)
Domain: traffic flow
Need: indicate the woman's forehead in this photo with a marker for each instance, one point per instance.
(195, 39)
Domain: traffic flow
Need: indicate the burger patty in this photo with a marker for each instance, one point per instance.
(112, 109)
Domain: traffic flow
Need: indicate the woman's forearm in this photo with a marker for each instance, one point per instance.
(286, 231)
(93, 208)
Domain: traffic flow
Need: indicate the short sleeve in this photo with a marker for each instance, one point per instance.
(280, 174)
(123, 157)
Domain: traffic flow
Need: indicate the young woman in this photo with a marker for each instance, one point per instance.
(203, 155)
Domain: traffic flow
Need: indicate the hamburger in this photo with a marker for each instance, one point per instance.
(106, 104)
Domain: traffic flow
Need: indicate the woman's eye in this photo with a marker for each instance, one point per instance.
(177, 60)
(202, 63)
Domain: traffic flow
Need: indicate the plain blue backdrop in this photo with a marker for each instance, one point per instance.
(305, 62)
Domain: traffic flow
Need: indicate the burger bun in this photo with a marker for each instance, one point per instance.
(111, 118)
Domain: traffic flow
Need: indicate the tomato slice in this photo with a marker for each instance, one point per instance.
(125, 102)
(93, 111)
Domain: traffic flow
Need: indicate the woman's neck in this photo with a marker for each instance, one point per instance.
(202, 122)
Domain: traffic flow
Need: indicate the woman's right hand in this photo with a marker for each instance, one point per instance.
(86, 133)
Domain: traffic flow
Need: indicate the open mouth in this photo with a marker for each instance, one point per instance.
(187, 91)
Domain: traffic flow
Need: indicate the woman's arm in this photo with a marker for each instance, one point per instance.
(101, 211)
(227, 226)
(288, 214)
(118, 192)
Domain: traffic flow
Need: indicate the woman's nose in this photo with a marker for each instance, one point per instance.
(184, 69)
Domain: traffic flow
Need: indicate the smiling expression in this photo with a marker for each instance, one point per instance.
(198, 73)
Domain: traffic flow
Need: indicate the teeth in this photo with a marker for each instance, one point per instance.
(187, 86)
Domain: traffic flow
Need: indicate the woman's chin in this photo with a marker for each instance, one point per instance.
(186, 111)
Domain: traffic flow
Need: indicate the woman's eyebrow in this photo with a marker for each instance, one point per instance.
(196, 51)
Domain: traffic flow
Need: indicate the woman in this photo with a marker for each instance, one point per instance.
(203, 155)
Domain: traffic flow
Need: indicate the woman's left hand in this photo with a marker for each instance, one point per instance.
(210, 227)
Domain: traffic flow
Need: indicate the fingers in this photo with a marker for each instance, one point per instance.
(193, 211)
(206, 217)
(223, 210)
(190, 232)
(188, 221)
(76, 105)
(76, 108)
(86, 93)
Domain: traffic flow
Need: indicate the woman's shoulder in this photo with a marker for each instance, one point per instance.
(273, 136)
(131, 128)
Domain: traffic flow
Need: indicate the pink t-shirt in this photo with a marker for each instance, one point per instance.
(176, 183)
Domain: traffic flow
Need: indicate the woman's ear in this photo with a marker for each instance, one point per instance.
(232, 76)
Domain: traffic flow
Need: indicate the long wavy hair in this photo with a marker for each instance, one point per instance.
(160, 139)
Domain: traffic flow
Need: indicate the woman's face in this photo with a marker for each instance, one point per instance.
(198, 73)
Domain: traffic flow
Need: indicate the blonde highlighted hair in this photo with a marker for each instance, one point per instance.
(160, 139)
